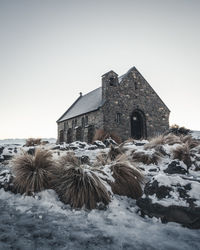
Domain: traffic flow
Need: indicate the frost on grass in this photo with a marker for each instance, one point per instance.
(44, 222)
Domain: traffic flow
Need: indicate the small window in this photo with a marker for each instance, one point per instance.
(86, 120)
(83, 122)
(65, 126)
(75, 123)
(112, 81)
(136, 85)
(118, 118)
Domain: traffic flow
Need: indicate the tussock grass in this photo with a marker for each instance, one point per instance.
(176, 129)
(114, 154)
(81, 187)
(146, 157)
(33, 173)
(191, 142)
(78, 185)
(169, 139)
(128, 180)
(182, 153)
(68, 160)
(102, 135)
(33, 142)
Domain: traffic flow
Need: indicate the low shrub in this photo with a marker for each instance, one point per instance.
(33, 173)
(182, 153)
(146, 157)
(78, 185)
(177, 130)
(128, 180)
(102, 135)
(33, 142)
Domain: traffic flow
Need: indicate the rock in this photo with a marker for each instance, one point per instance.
(186, 216)
(92, 147)
(56, 147)
(7, 157)
(99, 144)
(1, 150)
(139, 143)
(6, 180)
(175, 168)
(152, 188)
(84, 159)
(31, 151)
(109, 142)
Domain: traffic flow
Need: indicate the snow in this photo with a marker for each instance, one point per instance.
(168, 181)
(195, 192)
(44, 222)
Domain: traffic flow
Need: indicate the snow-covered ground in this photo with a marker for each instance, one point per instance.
(44, 222)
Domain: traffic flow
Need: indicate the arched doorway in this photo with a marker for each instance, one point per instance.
(61, 136)
(91, 131)
(69, 135)
(79, 134)
(138, 125)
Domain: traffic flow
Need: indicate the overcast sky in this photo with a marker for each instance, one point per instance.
(52, 50)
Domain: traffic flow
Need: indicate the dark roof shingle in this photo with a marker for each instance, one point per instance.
(84, 104)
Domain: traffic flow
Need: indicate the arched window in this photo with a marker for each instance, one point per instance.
(118, 118)
(112, 81)
(69, 135)
(136, 85)
(86, 120)
(83, 122)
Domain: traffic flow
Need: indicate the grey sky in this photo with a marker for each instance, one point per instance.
(52, 50)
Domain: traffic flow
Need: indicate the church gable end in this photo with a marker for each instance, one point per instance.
(126, 105)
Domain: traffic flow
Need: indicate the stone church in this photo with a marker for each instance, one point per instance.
(126, 105)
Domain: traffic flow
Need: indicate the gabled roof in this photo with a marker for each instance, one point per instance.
(84, 104)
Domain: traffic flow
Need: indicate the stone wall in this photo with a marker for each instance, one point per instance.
(77, 129)
(128, 94)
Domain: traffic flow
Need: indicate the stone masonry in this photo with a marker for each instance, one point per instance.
(129, 108)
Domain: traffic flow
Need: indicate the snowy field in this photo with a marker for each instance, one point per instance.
(43, 222)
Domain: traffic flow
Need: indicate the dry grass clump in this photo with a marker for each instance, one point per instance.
(80, 187)
(114, 154)
(102, 135)
(182, 153)
(146, 157)
(176, 129)
(33, 142)
(102, 159)
(128, 180)
(191, 142)
(33, 173)
(169, 139)
(69, 160)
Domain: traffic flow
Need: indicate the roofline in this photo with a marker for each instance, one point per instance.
(79, 115)
(111, 71)
(75, 103)
(152, 88)
(69, 108)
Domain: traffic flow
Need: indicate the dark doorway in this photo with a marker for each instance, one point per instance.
(61, 136)
(91, 131)
(69, 135)
(79, 134)
(138, 125)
